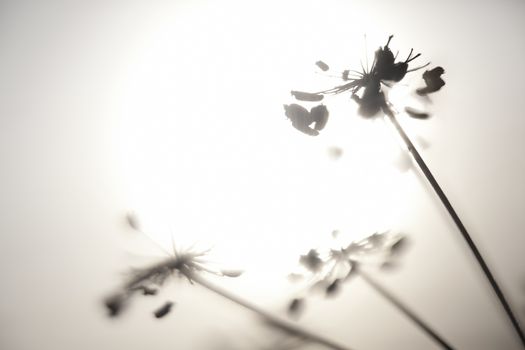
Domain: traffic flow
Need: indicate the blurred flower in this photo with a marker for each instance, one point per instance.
(328, 270)
(148, 280)
(311, 261)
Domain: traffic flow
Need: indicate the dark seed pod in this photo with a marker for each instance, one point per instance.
(323, 66)
(163, 310)
(307, 96)
(301, 118)
(115, 304)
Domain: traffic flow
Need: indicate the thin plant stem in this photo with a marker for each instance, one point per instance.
(276, 322)
(404, 309)
(448, 206)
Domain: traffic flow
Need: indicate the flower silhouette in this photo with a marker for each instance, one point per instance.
(327, 270)
(366, 88)
(148, 280)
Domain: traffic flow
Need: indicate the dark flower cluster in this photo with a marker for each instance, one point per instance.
(366, 89)
(147, 281)
(327, 271)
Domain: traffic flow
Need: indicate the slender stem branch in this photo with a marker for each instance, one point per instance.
(404, 309)
(286, 326)
(459, 224)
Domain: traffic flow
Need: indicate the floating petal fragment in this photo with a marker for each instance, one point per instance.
(433, 81)
(163, 310)
(416, 114)
(307, 96)
(323, 66)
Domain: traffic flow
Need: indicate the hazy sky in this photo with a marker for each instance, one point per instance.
(174, 110)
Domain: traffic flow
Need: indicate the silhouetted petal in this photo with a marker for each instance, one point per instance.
(311, 261)
(433, 81)
(383, 60)
(324, 67)
(307, 96)
(301, 118)
(416, 114)
(163, 310)
(231, 273)
(297, 112)
(319, 115)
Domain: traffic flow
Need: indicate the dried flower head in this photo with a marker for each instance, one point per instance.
(148, 280)
(328, 270)
(366, 88)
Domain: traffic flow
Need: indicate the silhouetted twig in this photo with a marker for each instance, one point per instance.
(459, 224)
(283, 325)
(384, 246)
(189, 265)
(404, 309)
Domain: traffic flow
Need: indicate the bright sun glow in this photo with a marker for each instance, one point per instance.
(210, 158)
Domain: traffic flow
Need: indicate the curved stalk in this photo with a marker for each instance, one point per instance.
(276, 322)
(459, 224)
